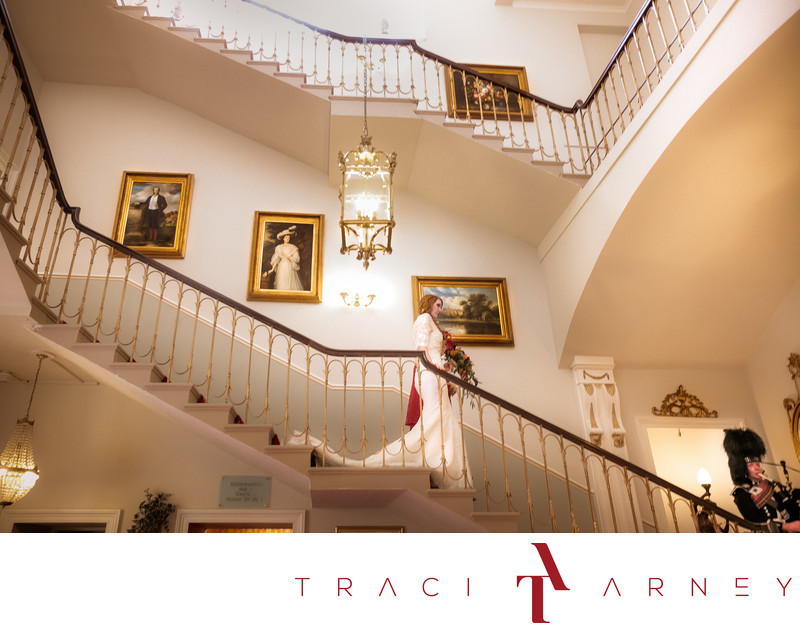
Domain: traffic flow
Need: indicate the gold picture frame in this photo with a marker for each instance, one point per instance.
(469, 96)
(286, 257)
(154, 227)
(474, 310)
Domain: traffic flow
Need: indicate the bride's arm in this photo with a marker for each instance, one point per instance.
(422, 331)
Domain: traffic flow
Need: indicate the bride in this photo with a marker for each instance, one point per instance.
(435, 441)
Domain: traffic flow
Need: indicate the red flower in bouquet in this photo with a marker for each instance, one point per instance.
(461, 361)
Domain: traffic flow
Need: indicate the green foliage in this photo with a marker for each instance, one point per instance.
(478, 307)
(154, 511)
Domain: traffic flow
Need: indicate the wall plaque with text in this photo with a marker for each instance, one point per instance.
(244, 491)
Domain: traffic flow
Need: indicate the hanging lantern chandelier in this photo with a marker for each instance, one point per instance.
(366, 195)
(18, 470)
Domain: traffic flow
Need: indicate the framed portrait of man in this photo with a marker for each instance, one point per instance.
(286, 258)
(153, 213)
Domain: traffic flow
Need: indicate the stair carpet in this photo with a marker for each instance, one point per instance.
(398, 107)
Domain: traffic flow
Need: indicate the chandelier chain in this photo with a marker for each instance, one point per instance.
(366, 131)
(41, 357)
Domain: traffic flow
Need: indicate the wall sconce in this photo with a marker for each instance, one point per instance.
(18, 470)
(705, 522)
(704, 480)
(356, 302)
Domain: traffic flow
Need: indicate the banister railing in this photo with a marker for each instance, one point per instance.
(353, 400)
(577, 138)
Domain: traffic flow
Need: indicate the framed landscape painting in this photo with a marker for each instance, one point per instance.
(470, 96)
(474, 310)
(153, 213)
(286, 258)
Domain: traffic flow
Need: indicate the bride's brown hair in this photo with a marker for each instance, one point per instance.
(426, 302)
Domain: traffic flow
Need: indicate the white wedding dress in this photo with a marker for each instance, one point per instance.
(435, 441)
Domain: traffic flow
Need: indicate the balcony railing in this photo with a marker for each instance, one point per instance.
(353, 400)
(578, 137)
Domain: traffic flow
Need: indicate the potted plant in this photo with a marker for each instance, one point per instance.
(153, 513)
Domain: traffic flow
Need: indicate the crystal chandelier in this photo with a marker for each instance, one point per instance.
(366, 195)
(18, 470)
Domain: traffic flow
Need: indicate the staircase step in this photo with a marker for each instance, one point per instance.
(297, 79)
(30, 279)
(441, 114)
(212, 43)
(578, 178)
(137, 11)
(464, 128)
(378, 106)
(64, 334)
(160, 21)
(135, 373)
(244, 55)
(551, 166)
(298, 457)
(459, 501)
(358, 487)
(321, 90)
(268, 67)
(14, 240)
(100, 354)
(41, 313)
(416, 479)
(215, 415)
(497, 522)
(186, 32)
(256, 436)
(492, 141)
(176, 394)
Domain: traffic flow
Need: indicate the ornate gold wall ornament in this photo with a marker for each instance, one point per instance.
(681, 403)
(793, 406)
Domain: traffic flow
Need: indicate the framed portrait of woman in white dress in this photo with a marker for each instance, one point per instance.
(286, 258)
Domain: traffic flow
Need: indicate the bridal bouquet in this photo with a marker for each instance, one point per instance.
(462, 362)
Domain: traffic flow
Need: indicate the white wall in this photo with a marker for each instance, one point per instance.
(770, 378)
(98, 449)
(547, 42)
(97, 133)
(724, 390)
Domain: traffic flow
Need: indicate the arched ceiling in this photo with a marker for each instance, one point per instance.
(710, 243)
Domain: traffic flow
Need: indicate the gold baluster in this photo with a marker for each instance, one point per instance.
(11, 108)
(25, 161)
(154, 342)
(23, 120)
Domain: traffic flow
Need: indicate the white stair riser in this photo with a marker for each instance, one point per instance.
(218, 416)
(137, 374)
(100, 354)
(177, 395)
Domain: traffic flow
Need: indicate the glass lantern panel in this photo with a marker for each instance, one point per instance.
(366, 196)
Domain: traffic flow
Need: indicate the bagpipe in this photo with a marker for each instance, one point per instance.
(787, 498)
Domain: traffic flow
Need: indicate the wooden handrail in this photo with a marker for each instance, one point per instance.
(411, 43)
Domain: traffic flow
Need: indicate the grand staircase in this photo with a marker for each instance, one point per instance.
(112, 312)
(329, 487)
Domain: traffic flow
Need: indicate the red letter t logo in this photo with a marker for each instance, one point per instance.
(537, 583)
